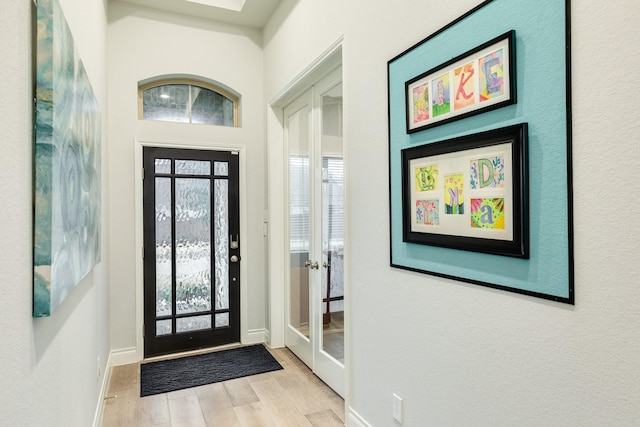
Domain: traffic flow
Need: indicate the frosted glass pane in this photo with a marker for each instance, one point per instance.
(222, 320)
(168, 103)
(221, 239)
(221, 168)
(210, 108)
(193, 323)
(163, 247)
(193, 245)
(163, 165)
(193, 167)
(163, 327)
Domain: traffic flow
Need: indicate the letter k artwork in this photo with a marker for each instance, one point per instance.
(466, 76)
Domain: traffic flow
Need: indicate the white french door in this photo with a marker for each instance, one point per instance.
(314, 289)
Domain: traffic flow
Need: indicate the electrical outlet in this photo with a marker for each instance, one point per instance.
(397, 408)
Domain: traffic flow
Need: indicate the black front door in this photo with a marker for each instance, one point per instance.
(191, 249)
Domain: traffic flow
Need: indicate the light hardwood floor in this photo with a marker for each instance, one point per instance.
(289, 397)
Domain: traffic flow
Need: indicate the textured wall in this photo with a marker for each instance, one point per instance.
(459, 354)
(48, 366)
(143, 44)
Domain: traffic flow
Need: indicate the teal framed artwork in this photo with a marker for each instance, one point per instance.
(67, 156)
(481, 181)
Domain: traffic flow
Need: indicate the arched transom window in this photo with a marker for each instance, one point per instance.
(188, 101)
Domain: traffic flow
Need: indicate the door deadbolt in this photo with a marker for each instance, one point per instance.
(234, 258)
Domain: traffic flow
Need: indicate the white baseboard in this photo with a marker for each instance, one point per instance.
(97, 418)
(256, 336)
(355, 420)
(124, 356)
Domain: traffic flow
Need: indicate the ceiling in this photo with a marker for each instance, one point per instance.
(248, 13)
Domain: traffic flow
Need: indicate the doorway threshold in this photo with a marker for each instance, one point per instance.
(192, 352)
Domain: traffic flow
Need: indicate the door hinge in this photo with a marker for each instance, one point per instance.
(142, 173)
(235, 153)
(143, 252)
(143, 329)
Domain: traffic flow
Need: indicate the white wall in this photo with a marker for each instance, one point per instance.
(142, 44)
(48, 365)
(460, 354)
(298, 33)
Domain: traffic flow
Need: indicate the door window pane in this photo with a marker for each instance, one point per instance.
(193, 167)
(221, 233)
(193, 323)
(332, 225)
(193, 245)
(222, 320)
(164, 244)
(299, 205)
(221, 168)
(162, 165)
(163, 327)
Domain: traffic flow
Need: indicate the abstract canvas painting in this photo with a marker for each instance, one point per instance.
(66, 165)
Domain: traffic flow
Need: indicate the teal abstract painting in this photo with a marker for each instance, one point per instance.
(67, 156)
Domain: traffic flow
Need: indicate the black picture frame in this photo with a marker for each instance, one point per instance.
(479, 102)
(493, 216)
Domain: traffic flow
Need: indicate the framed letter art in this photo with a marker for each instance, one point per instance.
(478, 80)
(469, 193)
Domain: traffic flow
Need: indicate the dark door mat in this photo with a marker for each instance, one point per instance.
(192, 371)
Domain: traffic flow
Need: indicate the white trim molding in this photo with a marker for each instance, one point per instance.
(330, 60)
(355, 420)
(256, 336)
(99, 414)
(123, 356)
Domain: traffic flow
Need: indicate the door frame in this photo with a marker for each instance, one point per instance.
(139, 143)
(311, 349)
(326, 63)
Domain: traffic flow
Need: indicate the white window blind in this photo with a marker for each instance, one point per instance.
(332, 203)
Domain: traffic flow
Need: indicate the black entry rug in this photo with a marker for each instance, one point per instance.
(193, 371)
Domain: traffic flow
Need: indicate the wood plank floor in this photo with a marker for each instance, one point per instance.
(290, 397)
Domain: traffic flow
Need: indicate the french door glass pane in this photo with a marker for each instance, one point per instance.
(193, 245)
(332, 225)
(221, 233)
(299, 206)
(163, 247)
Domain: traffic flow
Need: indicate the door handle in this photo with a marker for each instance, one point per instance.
(313, 265)
(234, 258)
